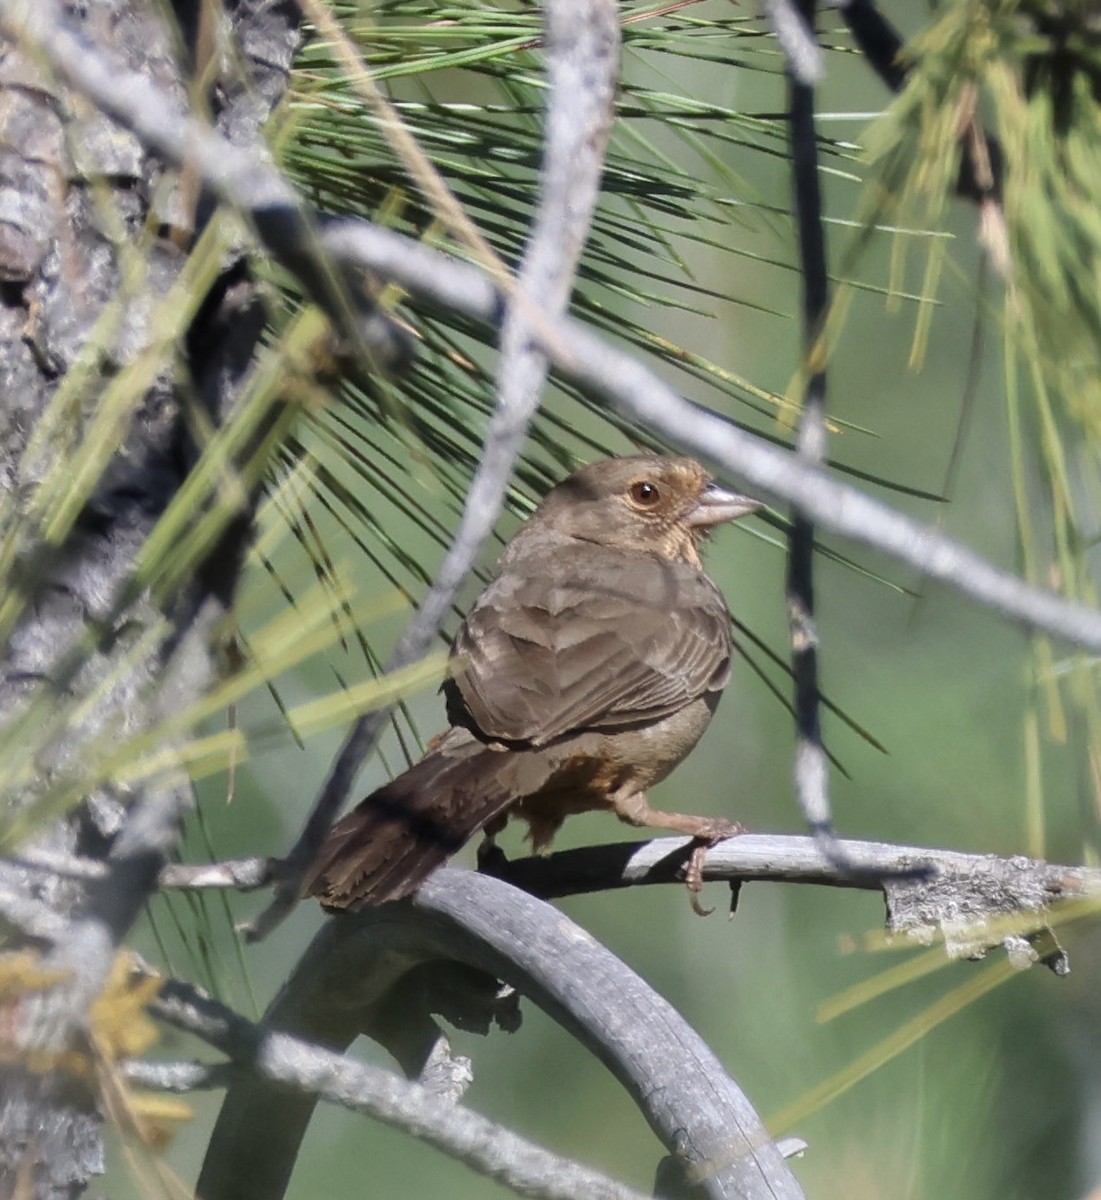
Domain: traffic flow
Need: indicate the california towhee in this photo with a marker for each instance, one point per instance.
(586, 670)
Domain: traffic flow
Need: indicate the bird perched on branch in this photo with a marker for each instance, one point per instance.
(583, 674)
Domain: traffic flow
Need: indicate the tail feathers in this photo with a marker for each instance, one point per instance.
(388, 845)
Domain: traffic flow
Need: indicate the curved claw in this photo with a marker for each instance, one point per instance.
(711, 831)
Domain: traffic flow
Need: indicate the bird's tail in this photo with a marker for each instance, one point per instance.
(386, 846)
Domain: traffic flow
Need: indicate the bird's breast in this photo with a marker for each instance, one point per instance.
(590, 770)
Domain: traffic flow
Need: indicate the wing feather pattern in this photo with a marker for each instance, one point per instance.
(589, 642)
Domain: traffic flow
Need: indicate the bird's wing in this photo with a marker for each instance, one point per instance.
(595, 639)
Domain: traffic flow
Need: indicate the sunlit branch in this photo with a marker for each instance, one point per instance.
(481, 1144)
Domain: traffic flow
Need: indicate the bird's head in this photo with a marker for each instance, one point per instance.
(654, 503)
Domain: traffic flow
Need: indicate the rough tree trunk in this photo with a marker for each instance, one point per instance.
(93, 233)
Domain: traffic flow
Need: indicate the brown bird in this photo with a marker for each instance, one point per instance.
(584, 673)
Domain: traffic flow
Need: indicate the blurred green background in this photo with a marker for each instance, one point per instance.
(999, 1100)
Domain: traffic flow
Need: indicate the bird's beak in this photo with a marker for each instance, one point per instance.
(716, 505)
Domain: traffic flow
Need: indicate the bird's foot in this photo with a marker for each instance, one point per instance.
(491, 859)
(710, 831)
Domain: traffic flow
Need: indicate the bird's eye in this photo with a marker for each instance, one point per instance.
(644, 494)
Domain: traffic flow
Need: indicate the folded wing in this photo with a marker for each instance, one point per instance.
(587, 642)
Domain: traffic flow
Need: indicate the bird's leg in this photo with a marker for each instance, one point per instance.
(490, 856)
(635, 810)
